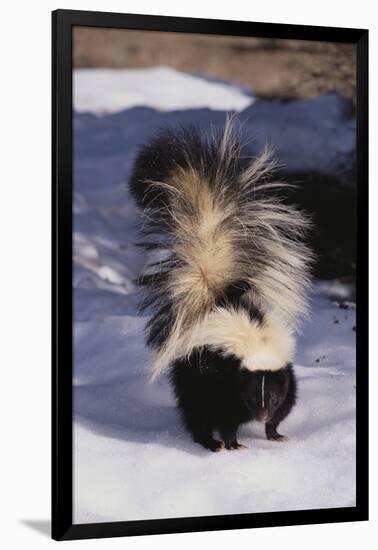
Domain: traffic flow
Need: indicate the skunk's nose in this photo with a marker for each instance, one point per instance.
(263, 416)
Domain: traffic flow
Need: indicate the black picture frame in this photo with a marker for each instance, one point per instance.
(62, 524)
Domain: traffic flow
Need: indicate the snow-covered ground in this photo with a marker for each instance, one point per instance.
(111, 90)
(132, 457)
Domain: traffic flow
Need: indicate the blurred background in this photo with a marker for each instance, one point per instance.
(272, 68)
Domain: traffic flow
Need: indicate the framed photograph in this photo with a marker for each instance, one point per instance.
(210, 251)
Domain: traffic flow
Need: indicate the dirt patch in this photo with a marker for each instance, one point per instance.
(273, 68)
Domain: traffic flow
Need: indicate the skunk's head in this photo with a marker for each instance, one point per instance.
(263, 392)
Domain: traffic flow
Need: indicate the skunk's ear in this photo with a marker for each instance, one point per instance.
(244, 376)
(283, 376)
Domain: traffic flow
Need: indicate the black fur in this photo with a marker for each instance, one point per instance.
(183, 147)
(214, 393)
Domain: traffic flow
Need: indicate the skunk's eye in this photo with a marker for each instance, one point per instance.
(274, 399)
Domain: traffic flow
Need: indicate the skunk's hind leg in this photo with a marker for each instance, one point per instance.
(193, 395)
(199, 426)
(229, 435)
(204, 437)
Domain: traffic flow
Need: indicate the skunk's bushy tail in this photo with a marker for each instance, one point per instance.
(221, 237)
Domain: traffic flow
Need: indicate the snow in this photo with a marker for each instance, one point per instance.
(163, 88)
(132, 457)
(314, 135)
(310, 135)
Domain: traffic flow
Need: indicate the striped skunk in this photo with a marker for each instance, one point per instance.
(225, 281)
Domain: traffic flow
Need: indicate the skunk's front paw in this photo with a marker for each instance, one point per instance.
(277, 437)
(235, 445)
(215, 446)
(212, 445)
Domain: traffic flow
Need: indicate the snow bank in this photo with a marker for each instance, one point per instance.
(310, 135)
(132, 458)
(110, 90)
(313, 135)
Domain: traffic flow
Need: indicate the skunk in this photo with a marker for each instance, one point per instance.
(215, 392)
(225, 281)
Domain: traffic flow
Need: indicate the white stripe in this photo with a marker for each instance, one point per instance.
(262, 391)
